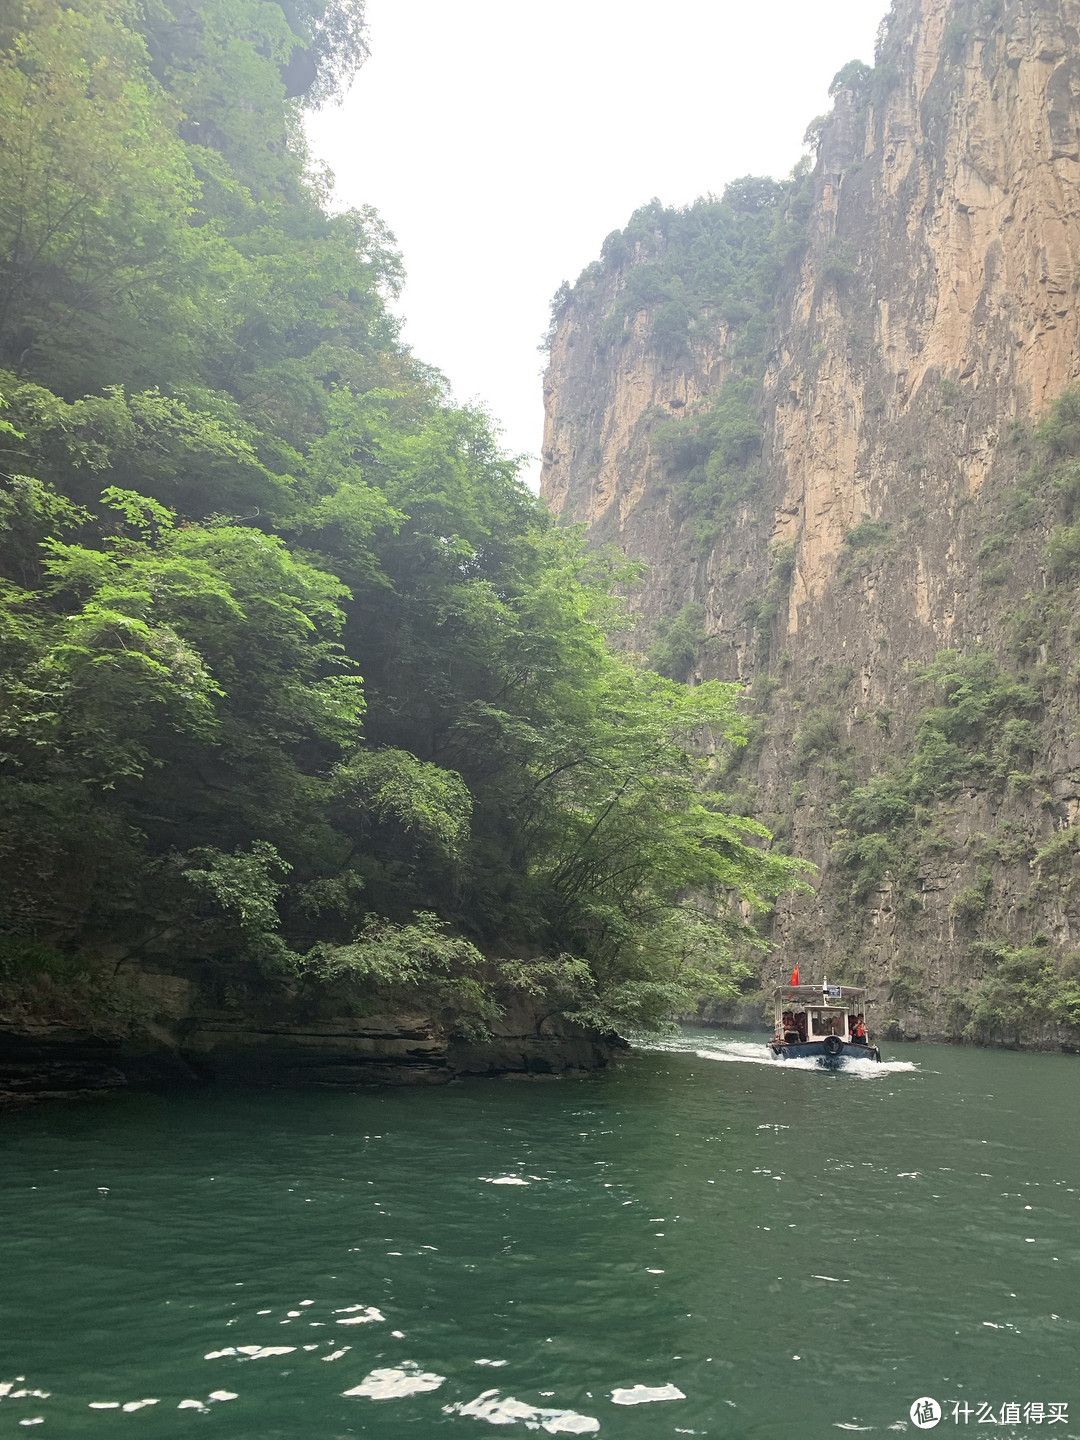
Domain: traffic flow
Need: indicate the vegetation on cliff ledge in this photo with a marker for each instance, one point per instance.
(298, 678)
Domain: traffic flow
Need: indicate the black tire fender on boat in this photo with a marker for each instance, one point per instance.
(833, 1045)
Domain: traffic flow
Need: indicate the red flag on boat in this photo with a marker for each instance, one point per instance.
(794, 976)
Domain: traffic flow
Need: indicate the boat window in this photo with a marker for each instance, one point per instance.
(827, 1022)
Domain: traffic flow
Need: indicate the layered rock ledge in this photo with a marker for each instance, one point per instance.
(41, 1060)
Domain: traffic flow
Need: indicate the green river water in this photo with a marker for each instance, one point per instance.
(793, 1251)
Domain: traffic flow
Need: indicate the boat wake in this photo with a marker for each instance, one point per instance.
(754, 1052)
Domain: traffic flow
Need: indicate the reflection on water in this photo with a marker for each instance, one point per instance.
(750, 1248)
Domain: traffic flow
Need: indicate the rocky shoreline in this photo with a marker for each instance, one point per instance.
(42, 1060)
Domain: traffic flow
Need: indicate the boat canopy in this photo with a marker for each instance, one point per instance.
(818, 994)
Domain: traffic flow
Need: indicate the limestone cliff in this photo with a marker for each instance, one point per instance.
(904, 503)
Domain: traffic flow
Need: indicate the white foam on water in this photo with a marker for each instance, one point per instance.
(502, 1180)
(493, 1363)
(33, 1420)
(262, 1352)
(840, 1425)
(568, 1422)
(220, 1354)
(368, 1314)
(338, 1353)
(193, 1405)
(742, 1053)
(645, 1394)
(223, 1395)
(393, 1383)
(496, 1410)
(748, 1052)
(26, 1394)
(104, 1405)
(133, 1405)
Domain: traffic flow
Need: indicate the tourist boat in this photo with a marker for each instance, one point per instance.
(820, 1022)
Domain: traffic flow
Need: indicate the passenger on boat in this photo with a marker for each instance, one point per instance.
(791, 1033)
(858, 1032)
(800, 1026)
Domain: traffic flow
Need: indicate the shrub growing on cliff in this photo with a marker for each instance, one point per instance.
(818, 737)
(1059, 431)
(1025, 993)
(873, 858)
(1062, 552)
(868, 534)
(678, 642)
(671, 328)
(970, 903)
(715, 455)
(837, 264)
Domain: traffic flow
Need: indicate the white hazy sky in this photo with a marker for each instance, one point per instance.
(501, 140)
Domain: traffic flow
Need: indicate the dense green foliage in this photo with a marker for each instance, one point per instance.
(714, 259)
(678, 642)
(1022, 991)
(297, 677)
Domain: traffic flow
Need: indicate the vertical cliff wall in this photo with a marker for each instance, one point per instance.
(911, 492)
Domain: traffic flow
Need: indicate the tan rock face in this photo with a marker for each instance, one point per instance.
(963, 200)
(949, 190)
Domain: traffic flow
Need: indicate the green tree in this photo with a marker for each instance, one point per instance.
(301, 687)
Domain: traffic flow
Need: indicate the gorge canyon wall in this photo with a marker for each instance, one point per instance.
(911, 492)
